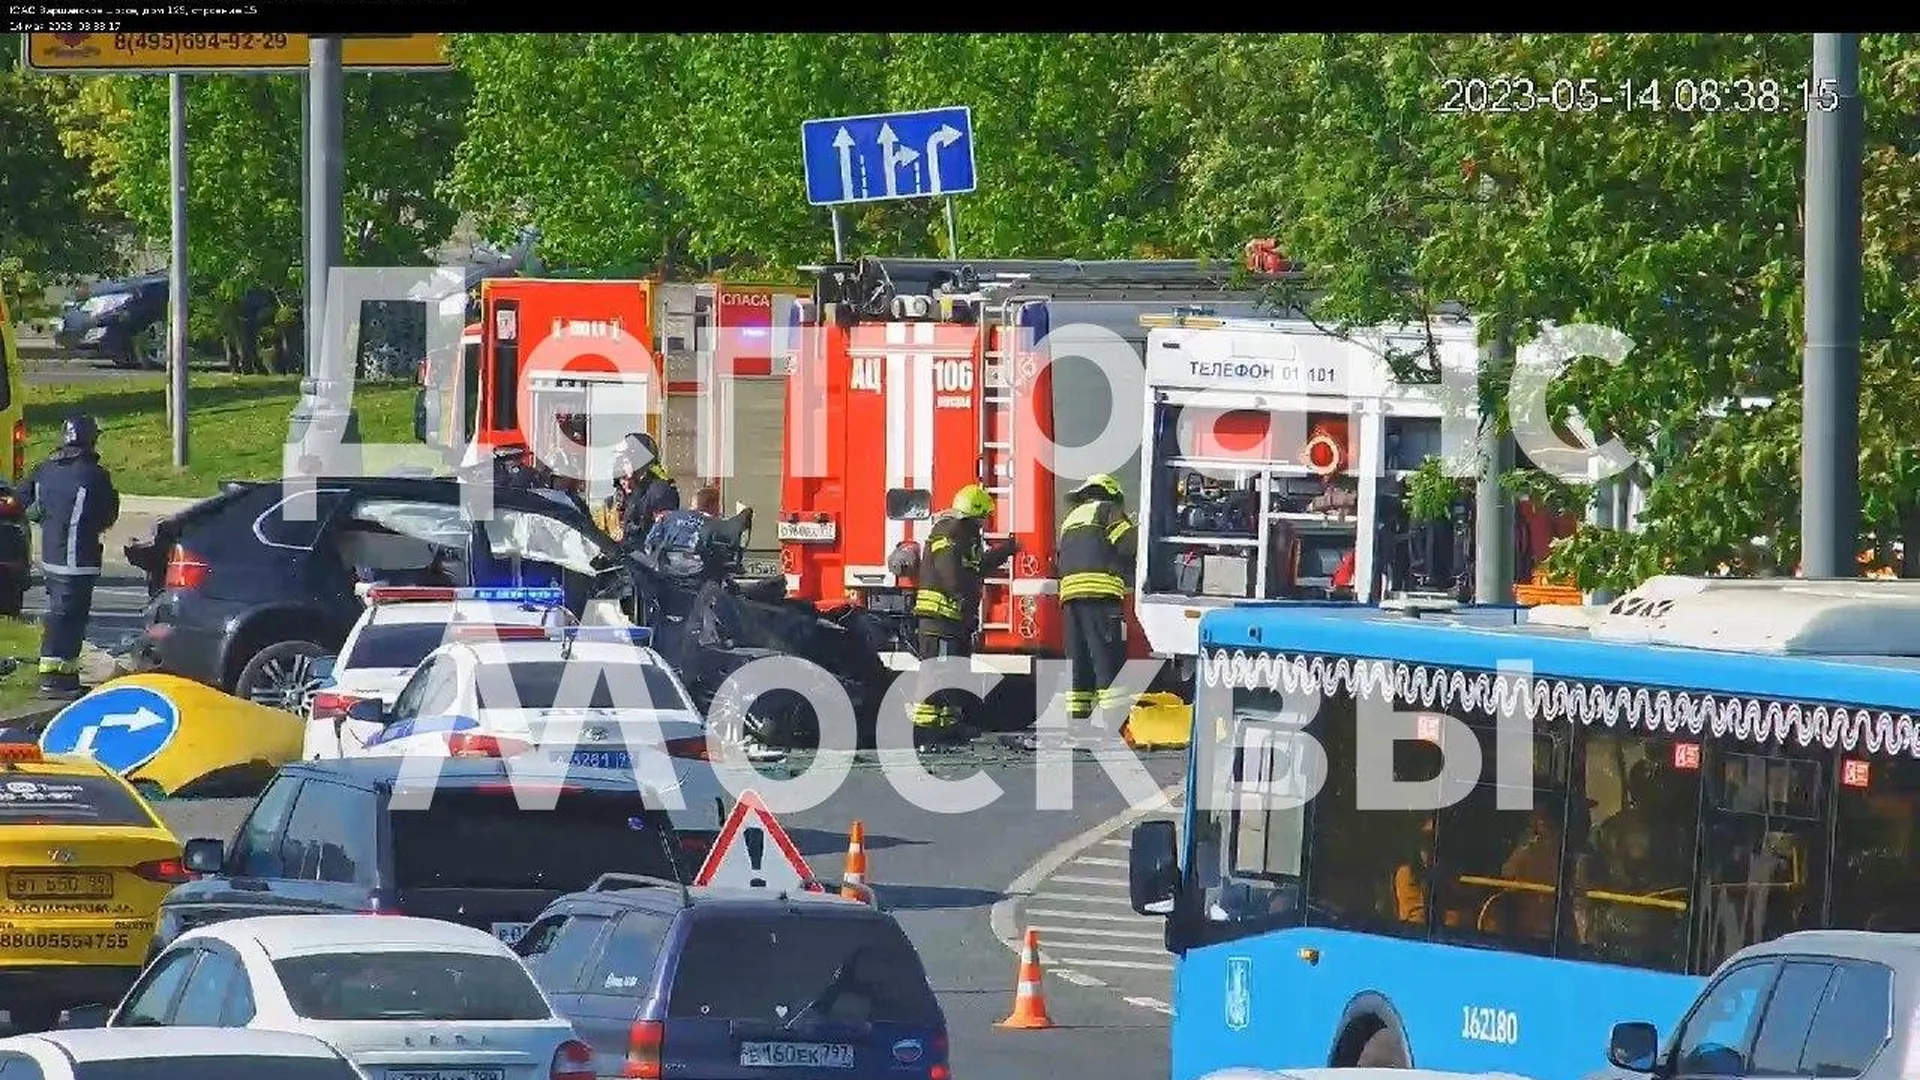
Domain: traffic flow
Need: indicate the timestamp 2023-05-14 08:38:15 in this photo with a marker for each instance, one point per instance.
(1686, 96)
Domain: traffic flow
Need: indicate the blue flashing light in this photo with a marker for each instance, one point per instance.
(636, 635)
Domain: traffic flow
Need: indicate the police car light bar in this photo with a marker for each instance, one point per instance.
(415, 594)
(501, 633)
(637, 635)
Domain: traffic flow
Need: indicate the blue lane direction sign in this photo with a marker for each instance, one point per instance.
(910, 155)
(121, 727)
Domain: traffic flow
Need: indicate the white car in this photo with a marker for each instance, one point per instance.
(401, 997)
(589, 697)
(203, 1053)
(401, 625)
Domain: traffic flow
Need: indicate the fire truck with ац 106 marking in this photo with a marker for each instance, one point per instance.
(914, 378)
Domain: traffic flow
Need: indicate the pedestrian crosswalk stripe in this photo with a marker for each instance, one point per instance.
(1083, 898)
(1130, 965)
(1055, 913)
(1151, 1003)
(1088, 931)
(1070, 880)
(1103, 946)
(1088, 860)
(1115, 843)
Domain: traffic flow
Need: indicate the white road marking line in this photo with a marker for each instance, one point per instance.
(1056, 913)
(1150, 1003)
(1089, 931)
(1088, 860)
(1130, 965)
(1079, 978)
(1099, 946)
(1071, 880)
(1115, 843)
(1082, 898)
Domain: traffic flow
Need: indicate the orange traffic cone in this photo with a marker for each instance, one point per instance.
(853, 880)
(1029, 996)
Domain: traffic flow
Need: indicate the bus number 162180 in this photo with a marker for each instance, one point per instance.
(1489, 1025)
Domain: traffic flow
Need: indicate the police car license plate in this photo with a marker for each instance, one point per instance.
(511, 933)
(59, 885)
(796, 1055)
(446, 1074)
(600, 759)
(808, 532)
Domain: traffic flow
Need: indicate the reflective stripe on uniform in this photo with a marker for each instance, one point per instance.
(70, 571)
(936, 604)
(1092, 585)
(1087, 562)
(73, 525)
(54, 665)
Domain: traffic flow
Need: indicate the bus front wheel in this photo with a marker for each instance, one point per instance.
(1384, 1049)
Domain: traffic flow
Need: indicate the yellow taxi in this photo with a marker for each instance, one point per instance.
(86, 863)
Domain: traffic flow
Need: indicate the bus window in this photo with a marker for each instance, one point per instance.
(1368, 868)
(1498, 870)
(1876, 865)
(1249, 846)
(1633, 869)
(1763, 868)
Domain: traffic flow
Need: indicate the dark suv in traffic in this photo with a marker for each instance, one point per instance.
(662, 980)
(356, 835)
(251, 586)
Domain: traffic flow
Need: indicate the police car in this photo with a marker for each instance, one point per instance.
(400, 626)
(578, 697)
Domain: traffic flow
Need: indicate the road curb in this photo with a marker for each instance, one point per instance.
(1003, 920)
(33, 715)
(154, 504)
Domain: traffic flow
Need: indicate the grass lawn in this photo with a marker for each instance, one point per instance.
(20, 639)
(236, 426)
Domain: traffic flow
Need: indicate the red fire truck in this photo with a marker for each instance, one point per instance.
(913, 378)
(546, 356)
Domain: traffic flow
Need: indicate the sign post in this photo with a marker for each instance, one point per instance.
(911, 155)
(177, 277)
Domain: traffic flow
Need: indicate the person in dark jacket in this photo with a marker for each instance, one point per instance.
(1095, 559)
(946, 605)
(653, 492)
(71, 495)
(679, 540)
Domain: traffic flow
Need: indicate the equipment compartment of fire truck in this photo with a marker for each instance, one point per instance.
(916, 377)
(1279, 454)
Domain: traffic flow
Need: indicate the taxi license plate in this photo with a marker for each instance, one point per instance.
(796, 1055)
(808, 532)
(446, 1074)
(601, 759)
(59, 885)
(511, 933)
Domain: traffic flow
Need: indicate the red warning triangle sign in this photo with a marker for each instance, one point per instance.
(753, 851)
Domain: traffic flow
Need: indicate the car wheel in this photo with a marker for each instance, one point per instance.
(280, 675)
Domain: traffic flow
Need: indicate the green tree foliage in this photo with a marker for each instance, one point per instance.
(48, 231)
(1676, 221)
(642, 153)
(244, 184)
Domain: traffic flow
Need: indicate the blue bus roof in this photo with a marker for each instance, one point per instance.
(1483, 639)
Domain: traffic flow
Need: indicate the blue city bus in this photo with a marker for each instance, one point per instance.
(1713, 763)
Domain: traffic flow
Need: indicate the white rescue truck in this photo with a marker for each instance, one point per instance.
(1276, 457)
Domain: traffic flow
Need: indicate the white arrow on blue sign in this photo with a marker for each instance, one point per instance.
(121, 727)
(910, 155)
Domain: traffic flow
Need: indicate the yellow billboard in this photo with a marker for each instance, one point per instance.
(211, 52)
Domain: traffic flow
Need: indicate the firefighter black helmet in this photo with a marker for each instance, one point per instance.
(80, 431)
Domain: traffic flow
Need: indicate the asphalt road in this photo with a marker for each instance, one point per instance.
(942, 876)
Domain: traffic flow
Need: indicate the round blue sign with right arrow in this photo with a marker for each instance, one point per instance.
(121, 727)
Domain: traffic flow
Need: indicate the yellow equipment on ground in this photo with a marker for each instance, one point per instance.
(205, 744)
(1158, 721)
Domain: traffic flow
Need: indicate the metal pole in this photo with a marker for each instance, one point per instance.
(306, 215)
(953, 234)
(177, 276)
(839, 241)
(324, 175)
(1492, 508)
(1830, 372)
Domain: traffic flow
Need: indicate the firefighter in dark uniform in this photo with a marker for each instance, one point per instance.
(946, 605)
(1095, 560)
(652, 491)
(71, 495)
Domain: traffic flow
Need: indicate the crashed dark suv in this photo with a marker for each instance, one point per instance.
(251, 586)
